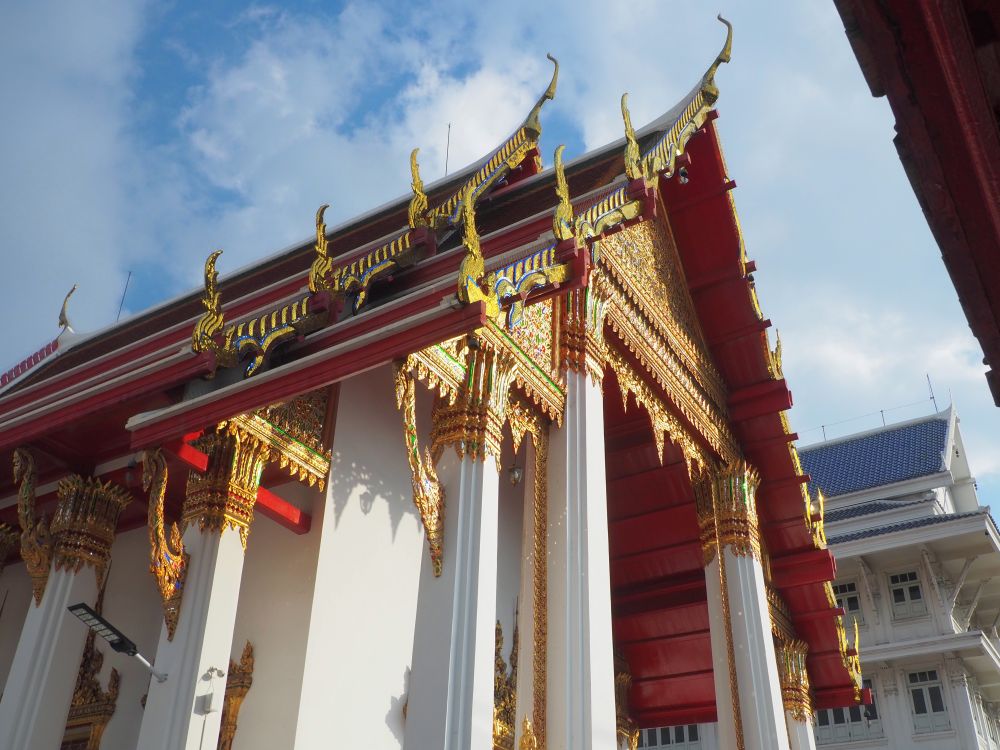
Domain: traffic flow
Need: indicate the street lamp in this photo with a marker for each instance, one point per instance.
(115, 638)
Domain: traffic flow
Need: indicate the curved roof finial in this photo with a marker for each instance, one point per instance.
(63, 317)
(531, 121)
(708, 87)
(562, 220)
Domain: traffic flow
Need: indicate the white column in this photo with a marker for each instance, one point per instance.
(174, 718)
(451, 685)
(184, 712)
(747, 686)
(42, 677)
(581, 687)
(801, 735)
(963, 712)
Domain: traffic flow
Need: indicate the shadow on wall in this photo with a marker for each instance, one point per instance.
(395, 718)
(350, 481)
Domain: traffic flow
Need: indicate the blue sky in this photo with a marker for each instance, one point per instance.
(139, 137)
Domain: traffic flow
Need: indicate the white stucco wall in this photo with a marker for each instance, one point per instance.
(16, 587)
(361, 623)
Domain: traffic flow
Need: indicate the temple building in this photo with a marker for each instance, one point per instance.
(918, 572)
(504, 463)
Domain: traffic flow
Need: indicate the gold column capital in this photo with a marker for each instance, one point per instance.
(581, 332)
(725, 500)
(225, 494)
(473, 422)
(83, 527)
(794, 677)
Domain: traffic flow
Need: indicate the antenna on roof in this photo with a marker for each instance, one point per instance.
(931, 389)
(447, 148)
(124, 292)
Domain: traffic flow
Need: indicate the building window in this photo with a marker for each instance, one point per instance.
(849, 601)
(907, 597)
(686, 737)
(927, 702)
(848, 724)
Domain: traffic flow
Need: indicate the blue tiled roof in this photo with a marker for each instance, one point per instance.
(866, 509)
(873, 459)
(916, 523)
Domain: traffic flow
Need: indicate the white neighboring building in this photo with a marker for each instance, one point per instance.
(918, 567)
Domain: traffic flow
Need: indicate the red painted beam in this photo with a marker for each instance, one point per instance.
(188, 454)
(758, 400)
(803, 568)
(701, 713)
(282, 512)
(840, 697)
(32, 426)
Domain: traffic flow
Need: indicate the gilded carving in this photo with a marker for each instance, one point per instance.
(528, 739)
(582, 347)
(562, 220)
(83, 527)
(212, 320)
(473, 423)
(727, 511)
(36, 541)
(238, 684)
(627, 729)
(524, 421)
(223, 497)
(633, 169)
(472, 271)
(8, 543)
(167, 558)
(417, 211)
(504, 692)
(613, 209)
(92, 707)
(294, 430)
(794, 678)
(428, 494)
(322, 264)
(512, 283)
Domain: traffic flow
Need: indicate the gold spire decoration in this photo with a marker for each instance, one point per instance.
(528, 739)
(212, 320)
(473, 268)
(36, 541)
(562, 220)
(63, 317)
(633, 168)
(708, 87)
(322, 265)
(167, 558)
(417, 212)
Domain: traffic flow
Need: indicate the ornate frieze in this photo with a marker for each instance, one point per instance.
(36, 542)
(612, 209)
(238, 684)
(224, 495)
(794, 677)
(504, 692)
(727, 511)
(428, 494)
(167, 558)
(781, 617)
(627, 729)
(294, 430)
(83, 527)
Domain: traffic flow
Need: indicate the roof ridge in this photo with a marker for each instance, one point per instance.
(943, 415)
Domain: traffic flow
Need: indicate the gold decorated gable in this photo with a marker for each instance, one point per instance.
(651, 312)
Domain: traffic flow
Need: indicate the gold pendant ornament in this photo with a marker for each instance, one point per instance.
(36, 542)
(167, 558)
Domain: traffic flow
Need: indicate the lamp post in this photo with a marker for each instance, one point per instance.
(115, 638)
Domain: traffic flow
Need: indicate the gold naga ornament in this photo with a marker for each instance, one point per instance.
(322, 264)
(167, 559)
(417, 211)
(212, 321)
(36, 541)
(473, 269)
(562, 220)
(428, 494)
(238, 684)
